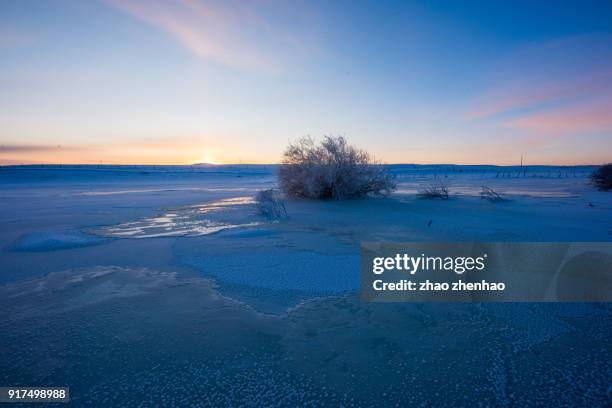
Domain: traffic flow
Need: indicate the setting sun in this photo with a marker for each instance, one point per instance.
(208, 158)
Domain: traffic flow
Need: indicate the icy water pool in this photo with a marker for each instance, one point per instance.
(187, 221)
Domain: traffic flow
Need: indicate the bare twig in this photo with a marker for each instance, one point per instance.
(488, 193)
(435, 190)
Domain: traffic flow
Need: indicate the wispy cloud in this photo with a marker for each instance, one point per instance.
(15, 153)
(13, 38)
(232, 33)
(136, 150)
(582, 118)
(558, 88)
(21, 148)
(526, 95)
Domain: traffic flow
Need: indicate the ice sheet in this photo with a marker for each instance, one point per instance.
(267, 314)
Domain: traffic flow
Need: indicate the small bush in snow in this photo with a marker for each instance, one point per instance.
(488, 193)
(270, 204)
(437, 189)
(333, 170)
(602, 177)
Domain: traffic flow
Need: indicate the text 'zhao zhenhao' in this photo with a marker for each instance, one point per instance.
(486, 271)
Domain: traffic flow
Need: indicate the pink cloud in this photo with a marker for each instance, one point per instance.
(526, 95)
(547, 126)
(552, 89)
(228, 33)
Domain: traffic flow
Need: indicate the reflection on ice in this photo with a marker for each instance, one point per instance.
(188, 221)
(221, 204)
(160, 190)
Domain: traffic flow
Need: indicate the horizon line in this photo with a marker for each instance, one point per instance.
(277, 164)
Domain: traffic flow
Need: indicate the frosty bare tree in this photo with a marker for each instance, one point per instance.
(332, 169)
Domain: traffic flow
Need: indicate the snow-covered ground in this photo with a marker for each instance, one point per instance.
(163, 285)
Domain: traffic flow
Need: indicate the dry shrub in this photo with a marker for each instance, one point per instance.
(602, 177)
(270, 204)
(488, 193)
(332, 170)
(437, 189)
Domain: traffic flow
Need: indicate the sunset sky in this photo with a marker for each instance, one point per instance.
(185, 81)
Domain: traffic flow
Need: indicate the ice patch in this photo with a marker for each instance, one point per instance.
(304, 271)
(52, 241)
(193, 220)
(69, 289)
(248, 233)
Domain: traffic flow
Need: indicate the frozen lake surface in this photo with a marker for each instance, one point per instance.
(160, 285)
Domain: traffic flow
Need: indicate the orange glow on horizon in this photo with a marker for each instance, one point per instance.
(187, 155)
